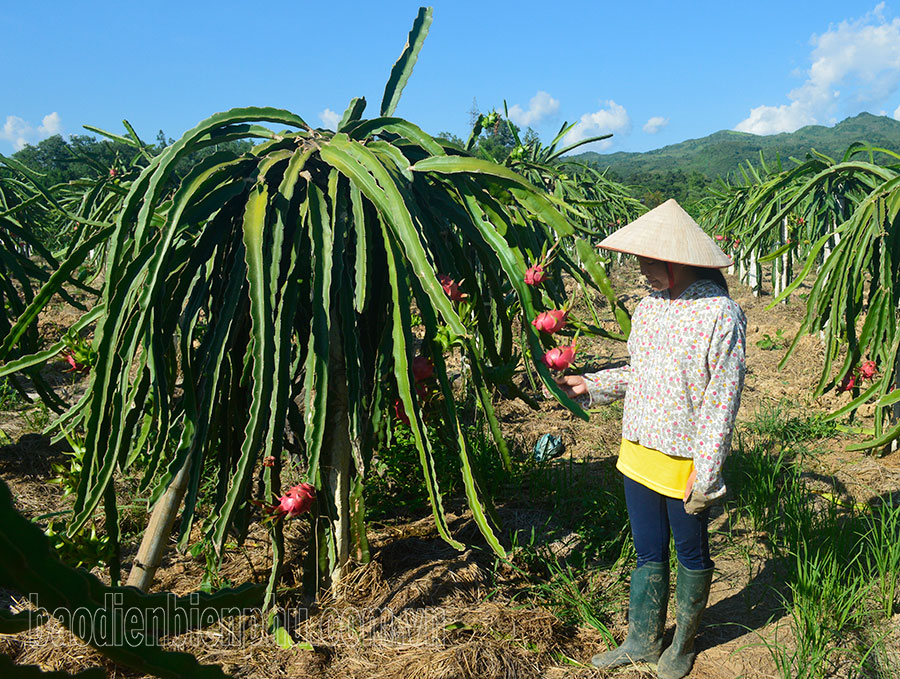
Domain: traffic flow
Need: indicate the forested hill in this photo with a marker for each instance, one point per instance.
(720, 154)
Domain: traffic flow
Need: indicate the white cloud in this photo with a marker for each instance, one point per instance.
(20, 132)
(330, 119)
(897, 113)
(854, 64)
(614, 118)
(50, 124)
(655, 124)
(775, 119)
(16, 131)
(540, 107)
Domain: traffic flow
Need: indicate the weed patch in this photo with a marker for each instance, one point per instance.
(779, 422)
(769, 343)
(839, 560)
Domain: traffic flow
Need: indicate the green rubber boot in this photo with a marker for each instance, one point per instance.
(648, 600)
(691, 594)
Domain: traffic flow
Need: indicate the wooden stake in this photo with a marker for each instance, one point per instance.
(159, 531)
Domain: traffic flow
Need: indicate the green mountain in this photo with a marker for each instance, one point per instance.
(721, 153)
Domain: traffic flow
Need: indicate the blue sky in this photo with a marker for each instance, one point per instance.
(652, 73)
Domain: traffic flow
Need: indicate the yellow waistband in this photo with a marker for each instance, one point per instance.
(666, 474)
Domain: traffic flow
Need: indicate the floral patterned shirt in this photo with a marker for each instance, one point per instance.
(682, 388)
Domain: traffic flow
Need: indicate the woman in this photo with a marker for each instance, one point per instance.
(682, 391)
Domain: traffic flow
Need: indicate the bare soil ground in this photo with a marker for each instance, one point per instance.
(421, 609)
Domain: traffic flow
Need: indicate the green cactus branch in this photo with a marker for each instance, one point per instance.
(122, 623)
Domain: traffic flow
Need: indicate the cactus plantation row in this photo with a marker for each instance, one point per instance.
(265, 307)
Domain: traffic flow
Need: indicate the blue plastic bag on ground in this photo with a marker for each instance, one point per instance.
(548, 447)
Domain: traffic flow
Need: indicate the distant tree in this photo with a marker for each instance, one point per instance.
(59, 161)
(451, 138)
(497, 141)
(652, 198)
(50, 158)
(95, 157)
(531, 138)
(83, 156)
(161, 140)
(654, 187)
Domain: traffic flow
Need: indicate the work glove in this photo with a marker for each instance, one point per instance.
(696, 502)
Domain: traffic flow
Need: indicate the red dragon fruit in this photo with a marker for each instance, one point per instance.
(550, 321)
(560, 358)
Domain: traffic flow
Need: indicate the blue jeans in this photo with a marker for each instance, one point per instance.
(652, 516)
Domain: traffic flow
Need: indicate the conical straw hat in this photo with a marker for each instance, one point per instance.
(670, 234)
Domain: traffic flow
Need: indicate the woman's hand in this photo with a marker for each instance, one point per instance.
(572, 385)
(690, 484)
